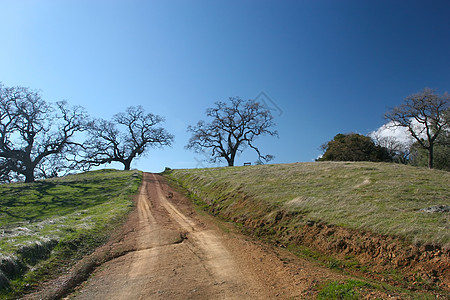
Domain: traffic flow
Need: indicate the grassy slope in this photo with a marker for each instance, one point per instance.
(383, 198)
(47, 225)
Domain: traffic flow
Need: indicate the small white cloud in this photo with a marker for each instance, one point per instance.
(389, 134)
(400, 134)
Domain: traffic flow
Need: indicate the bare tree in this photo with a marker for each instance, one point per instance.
(234, 125)
(6, 174)
(126, 137)
(425, 115)
(398, 151)
(32, 130)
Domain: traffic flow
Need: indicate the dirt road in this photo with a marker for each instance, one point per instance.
(179, 254)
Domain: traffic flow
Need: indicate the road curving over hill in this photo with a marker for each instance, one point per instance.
(166, 250)
(180, 255)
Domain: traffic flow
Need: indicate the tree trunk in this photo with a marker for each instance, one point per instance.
(231, 159)
(29, 176)
(127, 165)
(430, 156)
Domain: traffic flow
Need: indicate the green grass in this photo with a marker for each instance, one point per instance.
(379, 197)
(272, 202)
(336, 290)
(47, 225)
(360, 289)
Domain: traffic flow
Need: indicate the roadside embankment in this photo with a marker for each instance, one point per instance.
(383, 221)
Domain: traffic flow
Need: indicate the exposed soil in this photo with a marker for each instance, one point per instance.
(388, 258)
(181, 255)
(422, 266)
(168, 251)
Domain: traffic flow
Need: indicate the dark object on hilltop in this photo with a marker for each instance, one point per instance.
(354, 147)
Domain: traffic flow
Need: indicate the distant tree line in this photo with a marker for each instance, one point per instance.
(41, 140)
(425, 115)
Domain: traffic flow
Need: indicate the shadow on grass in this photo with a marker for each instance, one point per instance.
(34, 202)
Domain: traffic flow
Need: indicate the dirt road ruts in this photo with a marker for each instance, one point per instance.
(179, 254)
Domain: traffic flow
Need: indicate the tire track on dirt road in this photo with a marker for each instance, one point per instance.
(203, 243)
(176, 258)
(165, 250)
(177, 254)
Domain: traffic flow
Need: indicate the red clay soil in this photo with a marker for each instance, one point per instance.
(421, 267)
(426, 265)
(168, 251)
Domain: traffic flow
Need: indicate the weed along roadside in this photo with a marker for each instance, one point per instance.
(365, 219)
(49, 225)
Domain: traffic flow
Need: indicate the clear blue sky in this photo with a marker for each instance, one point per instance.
(329, 66)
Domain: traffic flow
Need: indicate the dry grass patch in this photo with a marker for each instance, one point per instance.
(379, 197)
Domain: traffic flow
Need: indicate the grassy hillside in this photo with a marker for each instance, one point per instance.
(378, 197)
(47, 225)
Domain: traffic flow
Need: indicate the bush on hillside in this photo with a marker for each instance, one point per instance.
(354, 147)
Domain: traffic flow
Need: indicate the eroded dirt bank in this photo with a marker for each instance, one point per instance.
(384, 258)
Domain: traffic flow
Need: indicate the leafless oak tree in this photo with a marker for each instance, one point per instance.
(33, 131)
(6, 173)
(126, 137)
(425, 115)
(398, 151)
(234, 125)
